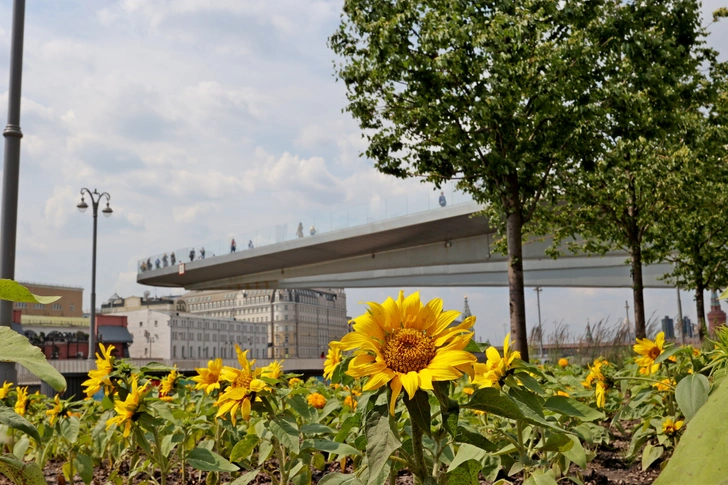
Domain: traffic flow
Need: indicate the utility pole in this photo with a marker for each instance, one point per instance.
(626, 321)
(11, 174)
(538, 291)
(680, 316)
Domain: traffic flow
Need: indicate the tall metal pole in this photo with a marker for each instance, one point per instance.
(680, 316)
(11, 173)
(92, 323)
(626, 321)
(538, 291)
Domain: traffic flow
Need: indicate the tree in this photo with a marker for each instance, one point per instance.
(650, 83)
(695, 220)
(493, 93)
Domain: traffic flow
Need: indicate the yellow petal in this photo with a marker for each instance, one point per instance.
(410, 382)
(396, 386)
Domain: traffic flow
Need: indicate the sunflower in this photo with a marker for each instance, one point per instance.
(244, 383)
(208, 378)
(166, 387)
(468, 391)
(596, 374)
(664, 385)
(55, 410)
(562, 393)
(316, 400)
(351, 402)
(601, 394)
(5, 389)
(649, 351)
(294, 382)
(272, 370)
(100, 376)
(22, 403)
(563, 362)
(670, 426)
(408, 345)
(492, 373)
(333, 359)
(129, 407)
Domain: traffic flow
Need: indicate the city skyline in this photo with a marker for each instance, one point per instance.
(186, 114)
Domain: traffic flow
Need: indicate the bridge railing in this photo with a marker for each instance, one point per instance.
(379, 209)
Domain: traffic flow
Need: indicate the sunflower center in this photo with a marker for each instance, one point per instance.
(408, 350)
(654, 352)
(243, 380)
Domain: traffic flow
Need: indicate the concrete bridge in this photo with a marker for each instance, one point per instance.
(443, 246)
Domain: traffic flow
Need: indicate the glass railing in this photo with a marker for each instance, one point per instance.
(376, 211)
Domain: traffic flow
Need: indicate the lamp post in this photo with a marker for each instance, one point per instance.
(11, 173)
(82, 206)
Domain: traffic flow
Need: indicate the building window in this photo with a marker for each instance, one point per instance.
(183, 352)
(73, 307)
(140, 323)
(21, 305)
(57, 306)
(39, 306)
(155, 323)
(174, 351)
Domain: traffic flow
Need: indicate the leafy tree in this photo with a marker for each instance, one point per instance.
(493, 93)
(695, 220)
(652, 82)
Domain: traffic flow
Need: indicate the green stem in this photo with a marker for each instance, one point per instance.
(646, 379)
(418, 448)
(161, 460)
(521, 447)
(71, 472)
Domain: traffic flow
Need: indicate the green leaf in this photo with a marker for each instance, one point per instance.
(169, 442)
(21, 446)
(419, 410)
(491, 466)
(381, 441)
(541, 478)
(691, 393)
(558, 442)
(472, 347)
(12, 291)
(449, 408)
(475, 439)
(164, 411)
(466, 452)
(466, 473)
(667, 354)
(244, 448)
(331, 447)
(699, 457)
(20, 472)
(529, 383)
(299, 404)
(496, 402)
(285, 429)
(650, 454)
(576, 453)
(70, 428)
(571, 407)
(245, 478)
(209, 461)
(85, 467)
(16, 348)
(340, 479)
(301, 476)
(13, 420)
(264, 452)
(349, 423)
(316, 428)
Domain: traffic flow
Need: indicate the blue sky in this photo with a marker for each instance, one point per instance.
(205, 119)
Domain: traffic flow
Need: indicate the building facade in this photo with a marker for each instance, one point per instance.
(179, 336)
(298, 322)
(716, 315)
(668, 328)
(117, 304)
(68, 306)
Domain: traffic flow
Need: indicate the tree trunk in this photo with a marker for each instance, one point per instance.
(700, 309)
(638, 293)
(514, 226)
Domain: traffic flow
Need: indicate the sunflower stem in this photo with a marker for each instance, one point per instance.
(521, 448)
(420, 470)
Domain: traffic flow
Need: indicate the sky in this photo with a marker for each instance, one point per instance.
(205, 120)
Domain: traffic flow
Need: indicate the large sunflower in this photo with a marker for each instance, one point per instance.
(208, 378)
(408, 345)
(649, 351)
(244, 383)
(100, 376)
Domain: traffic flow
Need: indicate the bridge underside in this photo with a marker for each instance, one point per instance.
(448, 247)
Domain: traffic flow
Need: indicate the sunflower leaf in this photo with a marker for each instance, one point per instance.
(667, 354)
(419, 411)
(691, 393)
(16, 348)
(381, 441)
(13, 420)
(13, 291)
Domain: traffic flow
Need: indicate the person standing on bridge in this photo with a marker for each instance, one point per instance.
(192, 254)
(443, 200)
(312, 231)
(299, 231)
(233, 246)
(173, 258)
(250, 244)
(165, 260)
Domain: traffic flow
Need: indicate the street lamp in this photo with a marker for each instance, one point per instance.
(538, 291)
(82, 206)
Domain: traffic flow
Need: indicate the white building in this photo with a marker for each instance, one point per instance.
(178, 335)
(298, 322)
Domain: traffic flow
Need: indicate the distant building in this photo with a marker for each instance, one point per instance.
(668, 327)
(117, 304)
(299, 322)
(716, 316)
(69, 305)
(687, 327)
(185, 336)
